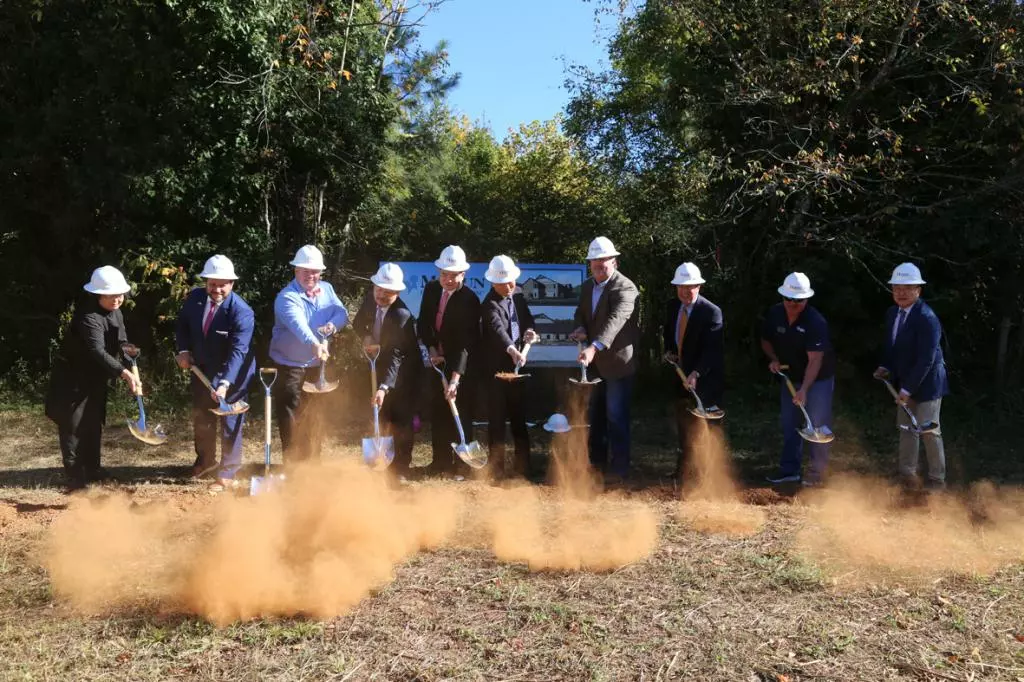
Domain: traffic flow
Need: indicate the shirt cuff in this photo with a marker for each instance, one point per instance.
(904, 392)
(223, 382)
(598, 345)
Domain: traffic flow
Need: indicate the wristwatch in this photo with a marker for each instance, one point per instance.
(384, 387)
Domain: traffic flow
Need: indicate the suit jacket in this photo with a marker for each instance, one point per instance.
(915, 359)
(703, 347)
(460, 328)
(613, 324)
(225, 352)
(496, 328)
(89, 358)
(399, 360)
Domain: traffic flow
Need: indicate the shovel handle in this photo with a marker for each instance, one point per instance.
(202, 377)
(138, 380)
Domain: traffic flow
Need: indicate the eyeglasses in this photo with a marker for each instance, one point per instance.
(792, 300)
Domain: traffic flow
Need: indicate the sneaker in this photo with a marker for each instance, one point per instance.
(809, 483)
(458, 477)
(792, 478)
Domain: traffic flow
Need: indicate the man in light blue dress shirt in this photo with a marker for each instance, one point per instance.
(306, 313)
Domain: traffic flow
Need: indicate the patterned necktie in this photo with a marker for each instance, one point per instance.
(513, 320)
(683, 319)
(900, 319)
(440, 310)
(209, 318)
(377, 324)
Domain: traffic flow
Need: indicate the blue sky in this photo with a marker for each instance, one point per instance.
(511, 54)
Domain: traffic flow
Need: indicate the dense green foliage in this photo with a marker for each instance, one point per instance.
(837, 137)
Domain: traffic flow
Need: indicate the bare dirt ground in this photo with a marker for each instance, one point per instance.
(154, 579)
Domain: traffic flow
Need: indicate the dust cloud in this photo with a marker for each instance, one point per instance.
(867, 528)
(327, 539)
(711, 498)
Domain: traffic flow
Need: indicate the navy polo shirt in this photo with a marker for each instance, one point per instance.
(792, 341)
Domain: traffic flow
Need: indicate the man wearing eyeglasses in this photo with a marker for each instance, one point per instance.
(794, 333)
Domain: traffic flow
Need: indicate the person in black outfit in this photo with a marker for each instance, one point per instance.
(506, 323)
(449, 327)
(383, 320)
(693, 337)
(90, 357)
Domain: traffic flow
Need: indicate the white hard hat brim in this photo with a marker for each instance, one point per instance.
(607, 254)
(915, 282)
(308, 266)
(106, 291)
(390, 286)
(218, 275)
(789, 293)
(458, 267)
(551, 429)
(510, 277)
(686, 282)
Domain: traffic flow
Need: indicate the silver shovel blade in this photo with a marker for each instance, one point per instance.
(227, 409)
(318, 387)
(378, 453)
(150, 436)
(821, 435)
(471, 453)
(711, 414)
(261, 485)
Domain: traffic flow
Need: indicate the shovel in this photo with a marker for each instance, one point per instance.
(224, 408)
(583, 381)
(699, 411)
(378, 451)
(321, 385)
(915, 427)
(150, 435)
(266, 482)
(515, 375)
(470, 453)
(809, 432)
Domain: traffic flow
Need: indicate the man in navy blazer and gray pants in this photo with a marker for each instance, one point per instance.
(694, 340)
(913, 362)
(214, 332)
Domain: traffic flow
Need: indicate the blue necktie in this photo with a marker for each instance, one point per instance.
(899, 323)
(513, 320)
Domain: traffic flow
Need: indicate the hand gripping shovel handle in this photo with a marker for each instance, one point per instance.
(903, 405)
(792, 392)
(525, 352)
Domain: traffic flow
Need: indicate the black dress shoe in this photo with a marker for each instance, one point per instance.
(100, 475)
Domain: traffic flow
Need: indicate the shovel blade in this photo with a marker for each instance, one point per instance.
(711, 414)
(227, 409)
(817, 435)
(150, 436)
(510, 376)
(318, 387)
(581, 382)
(472, 454)
(261, 485)
(378, 453)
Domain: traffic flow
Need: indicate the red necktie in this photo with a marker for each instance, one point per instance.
(209, 318)
(440, 310)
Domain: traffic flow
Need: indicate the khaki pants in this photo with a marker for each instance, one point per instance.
(909, 441)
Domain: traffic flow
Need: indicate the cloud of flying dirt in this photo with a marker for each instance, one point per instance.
(866, 528)
(710, 500)
(330, 537)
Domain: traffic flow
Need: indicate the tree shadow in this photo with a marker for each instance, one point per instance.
(53, 477)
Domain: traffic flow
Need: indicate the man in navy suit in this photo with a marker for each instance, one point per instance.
(913, 362)
(506, 325)
(385, 321)
(694, 340)
(214, 332)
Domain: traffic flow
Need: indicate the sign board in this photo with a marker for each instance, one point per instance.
(552, 292)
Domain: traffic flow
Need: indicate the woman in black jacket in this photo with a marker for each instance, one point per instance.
(90, 357)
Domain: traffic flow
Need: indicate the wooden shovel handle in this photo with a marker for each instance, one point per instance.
(138, 379)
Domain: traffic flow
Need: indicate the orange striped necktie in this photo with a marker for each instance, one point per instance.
(683, 319)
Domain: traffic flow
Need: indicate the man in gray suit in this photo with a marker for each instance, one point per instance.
(606, 320)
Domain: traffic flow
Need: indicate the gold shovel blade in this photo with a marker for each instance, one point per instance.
(317, 387)
(471, 453)
(151, 436)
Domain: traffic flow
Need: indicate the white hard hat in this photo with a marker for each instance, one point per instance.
(309, 257)
(453, 259)
(906, 273)
(601, 247)
(107, 281)
(502, 270)
(389, 276)
(218, 267)
(796, 285)
(557, 423)
(687, 273)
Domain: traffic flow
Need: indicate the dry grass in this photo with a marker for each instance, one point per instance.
(707, 603)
